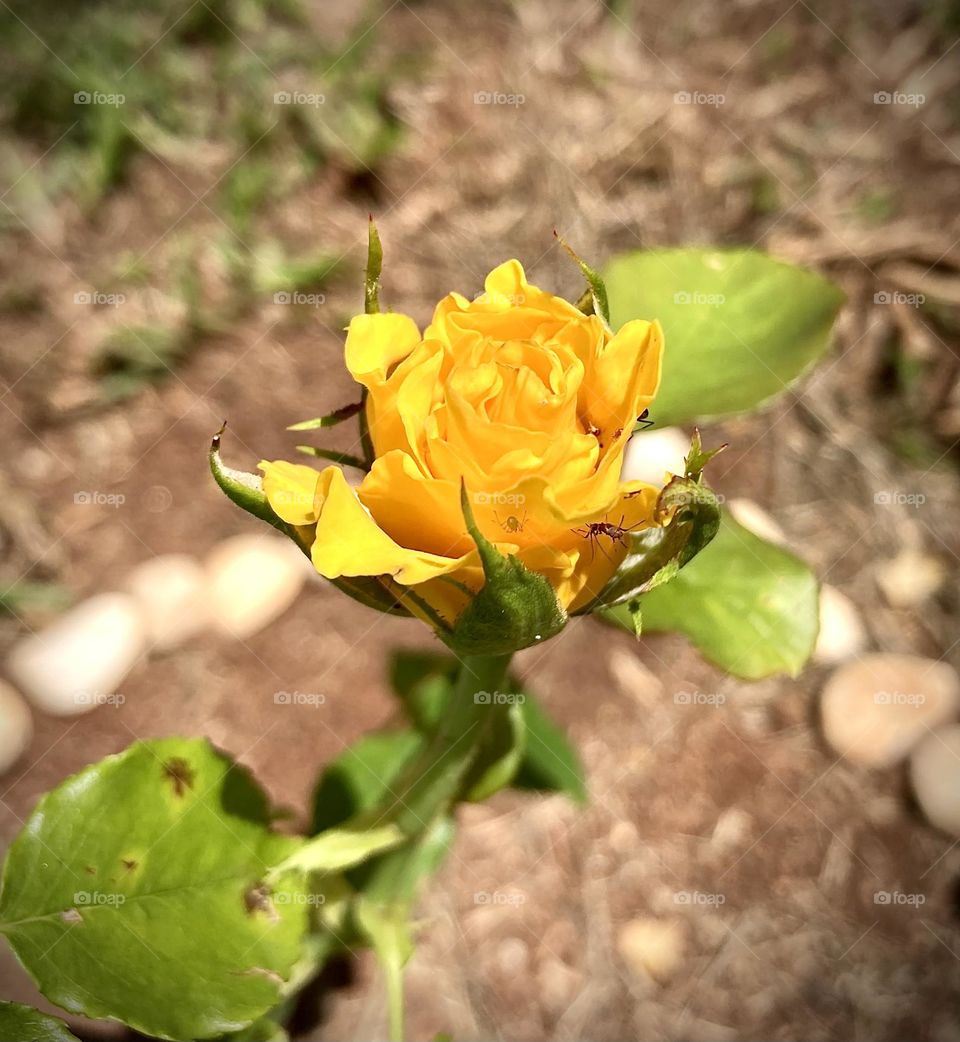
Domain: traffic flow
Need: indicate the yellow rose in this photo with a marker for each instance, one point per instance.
(518, 396)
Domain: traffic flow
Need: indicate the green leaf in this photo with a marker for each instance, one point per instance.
(25, 1024)
(361, 776)
(550, 762)
(749, 606)
(337, 849)
(739, 327)
(147, 869)
(422, 681)
(501, 751)
(515, 609)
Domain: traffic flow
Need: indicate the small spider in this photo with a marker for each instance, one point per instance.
(511, 523)
(594, 530)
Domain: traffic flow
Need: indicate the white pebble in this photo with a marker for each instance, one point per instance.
(171, 592)
(652, 947)
(910, 578)
(842, 633)
(78, 662)
(755, 519)
(935, 774)
(16, 727)
(252, 580)
(874, 710)
(651, 455)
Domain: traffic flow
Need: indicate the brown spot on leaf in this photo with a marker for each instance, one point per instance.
(257, 899)
(129, 864)
(90, 870)
(180, 774)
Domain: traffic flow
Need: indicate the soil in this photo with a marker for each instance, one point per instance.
(731, 820)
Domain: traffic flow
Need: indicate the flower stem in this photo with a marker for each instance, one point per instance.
(431, 783)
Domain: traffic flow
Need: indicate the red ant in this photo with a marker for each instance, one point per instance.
(593, 530)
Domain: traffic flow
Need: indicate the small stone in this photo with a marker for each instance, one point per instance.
(935, 775)
(16, 727)
(842, 633)
(558, 984)
(513, 957)
(252, 580)
(652, 454)
(171, 592)
(652, 947)
(624, 838)
(77, 663)
(755, 519)
(732, 830)
(909, 579)
(874, 710)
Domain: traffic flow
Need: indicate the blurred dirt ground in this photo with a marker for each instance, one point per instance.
(732, 823)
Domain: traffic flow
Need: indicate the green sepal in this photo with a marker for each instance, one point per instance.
(371, 282)
(515, 609)
(696, 459)
(345, 412)
(691, 511)
(246, 490)
(748, 606)
(594, 301)
(344, 459)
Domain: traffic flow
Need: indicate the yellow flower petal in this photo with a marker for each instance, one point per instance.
(349, 541)
(375, 343)
(291, 490)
